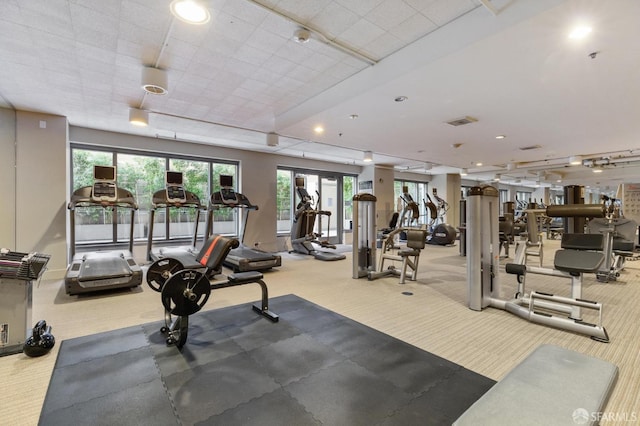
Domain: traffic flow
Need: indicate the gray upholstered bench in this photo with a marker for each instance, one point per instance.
(552, 386)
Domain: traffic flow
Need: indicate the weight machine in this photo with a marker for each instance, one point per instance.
(579, 254)
(619, 235)
(364, 235)
(185, 291)
(409, 256)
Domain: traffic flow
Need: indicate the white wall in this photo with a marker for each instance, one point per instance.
(7, 177)
(41, 188)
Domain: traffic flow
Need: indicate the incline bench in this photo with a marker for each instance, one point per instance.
(552, 386)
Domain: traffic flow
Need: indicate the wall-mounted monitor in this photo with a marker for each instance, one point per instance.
(226, 181)
(173, 178)
(107, 173)
(300, 182)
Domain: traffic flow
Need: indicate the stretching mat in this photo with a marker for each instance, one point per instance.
(313, 367)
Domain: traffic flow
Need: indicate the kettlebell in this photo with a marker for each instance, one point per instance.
(41, 340)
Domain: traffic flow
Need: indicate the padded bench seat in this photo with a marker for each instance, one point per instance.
(552, 386)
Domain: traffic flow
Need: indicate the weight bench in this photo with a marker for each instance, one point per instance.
(552, 386)
(185, 291)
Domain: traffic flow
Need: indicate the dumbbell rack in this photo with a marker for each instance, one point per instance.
(17, 270)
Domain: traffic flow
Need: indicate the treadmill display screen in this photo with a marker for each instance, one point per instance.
(173, 178)
(104, 173)
(226, 181)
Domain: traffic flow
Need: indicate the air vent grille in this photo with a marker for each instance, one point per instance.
(530, 147)
(462, 121)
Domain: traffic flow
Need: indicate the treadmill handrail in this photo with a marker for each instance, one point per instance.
(159, 200)
(81, 197)
(215, 202)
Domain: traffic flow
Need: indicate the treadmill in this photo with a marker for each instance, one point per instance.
(102, 270)
(174, 196)
(243, 258)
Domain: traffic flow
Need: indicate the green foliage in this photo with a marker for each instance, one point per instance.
(283, 194)
(83, 162)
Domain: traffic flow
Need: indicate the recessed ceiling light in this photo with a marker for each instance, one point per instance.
(478, 164)
(401, 99)
(319, 129)
(190, 11)
(353, 116)
(597, 170)
(580, 32)
(500, 137)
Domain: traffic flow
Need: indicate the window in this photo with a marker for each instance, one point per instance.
(225, 220)
(93, 224)
(143, 174)
(195, 178)
(504, 197)
(330, 191)
(284, 195)
(418, 192)
(348, 191)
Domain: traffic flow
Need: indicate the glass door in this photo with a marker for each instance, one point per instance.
(330, 226)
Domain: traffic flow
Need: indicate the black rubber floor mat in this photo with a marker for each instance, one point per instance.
(313, 367)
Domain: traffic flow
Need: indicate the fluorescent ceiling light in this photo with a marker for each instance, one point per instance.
(190, 11)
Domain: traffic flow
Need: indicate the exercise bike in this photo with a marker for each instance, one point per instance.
(185, 291)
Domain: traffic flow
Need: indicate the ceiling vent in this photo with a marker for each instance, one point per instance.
(462, 121)
(529, 148)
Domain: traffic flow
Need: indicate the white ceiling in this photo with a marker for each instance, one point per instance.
(507, 63)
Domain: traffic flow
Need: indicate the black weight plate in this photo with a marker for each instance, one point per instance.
(161, 270)
(174, 293)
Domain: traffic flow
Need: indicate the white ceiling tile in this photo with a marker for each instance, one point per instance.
(441, 12)
(360, 7)
(266, 40)
(301, 10)
(413, 28)
(361, 33)
(390, 13)
(251, 55)
(334, 20)
(383, 46)
(245, 10)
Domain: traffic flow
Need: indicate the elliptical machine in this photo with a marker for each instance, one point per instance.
(303, 237)
(441, 233)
